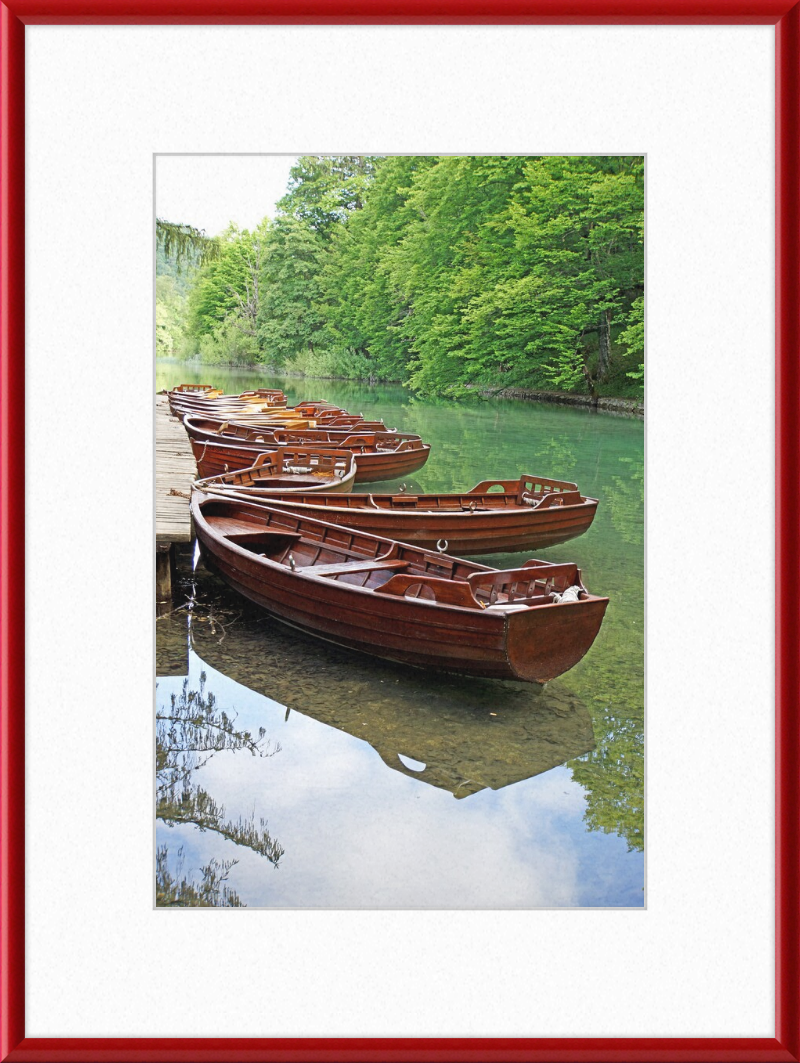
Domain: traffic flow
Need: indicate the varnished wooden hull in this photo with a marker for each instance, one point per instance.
(534, 645)
(216, 458)
(207, 391)
(246, 433)
(210, 430)
(489, 532)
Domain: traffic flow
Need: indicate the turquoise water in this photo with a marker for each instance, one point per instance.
(392, 787)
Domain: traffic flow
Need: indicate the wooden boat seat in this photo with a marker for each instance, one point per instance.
(262, 535)
(231, 525)
(446, 591)
(250, 536)
(342, 567)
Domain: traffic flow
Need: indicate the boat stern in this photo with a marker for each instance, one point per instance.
(545, 642)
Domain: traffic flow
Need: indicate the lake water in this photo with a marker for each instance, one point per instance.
(337, 780)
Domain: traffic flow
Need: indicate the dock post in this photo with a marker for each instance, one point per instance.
(165, 563)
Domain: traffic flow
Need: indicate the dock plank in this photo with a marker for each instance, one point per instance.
(175, 470)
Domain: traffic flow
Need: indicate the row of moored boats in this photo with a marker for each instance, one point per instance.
(380, 572)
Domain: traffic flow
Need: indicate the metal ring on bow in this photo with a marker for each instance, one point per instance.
(442, 545)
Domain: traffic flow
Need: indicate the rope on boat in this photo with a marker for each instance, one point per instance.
(180, 494)
(571, 594)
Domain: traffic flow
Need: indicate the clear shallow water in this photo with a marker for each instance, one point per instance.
(397, 788)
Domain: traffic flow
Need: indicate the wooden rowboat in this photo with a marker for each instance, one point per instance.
(207, 390)
(496, 516)
(180, 405)
(188, 403)
(400, 602)
(379, 455)
(250, 400)
(252, 407)
(261, 412)
(211, 429)
(285, 470)
(188, 394)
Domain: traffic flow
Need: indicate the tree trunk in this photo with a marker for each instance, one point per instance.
(587, 373)
(590, 384)
(604, 351)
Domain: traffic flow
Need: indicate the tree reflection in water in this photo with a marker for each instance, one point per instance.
(176, 891)
(627, 501)
(188, 734)
(613, 777)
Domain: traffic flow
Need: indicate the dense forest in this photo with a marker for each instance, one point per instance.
(447, 273)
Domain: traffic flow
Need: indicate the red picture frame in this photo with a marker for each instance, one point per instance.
(14, 16)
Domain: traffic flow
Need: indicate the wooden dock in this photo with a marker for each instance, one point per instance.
(175, 471)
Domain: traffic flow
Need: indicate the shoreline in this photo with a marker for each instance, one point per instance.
(619, 407)
(604, 403)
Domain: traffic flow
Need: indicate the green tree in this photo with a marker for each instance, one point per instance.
(228, 285)
(170, 318)
(633, 337)
(289, 319)
(438, 265)
(324, 189)
(548, 274)
(225, 301)
(365, 306)
(322, 192)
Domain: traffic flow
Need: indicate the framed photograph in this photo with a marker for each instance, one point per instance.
(508, 953)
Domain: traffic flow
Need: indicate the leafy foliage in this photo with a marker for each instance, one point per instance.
(633, 336)
(289, 319)
(170, 318)
(444, 272)
(184, 243)
(324, 189)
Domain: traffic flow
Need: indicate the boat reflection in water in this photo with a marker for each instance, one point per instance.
(456, 733)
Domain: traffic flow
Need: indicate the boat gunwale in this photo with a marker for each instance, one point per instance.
(409, 517)
(507, 512)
